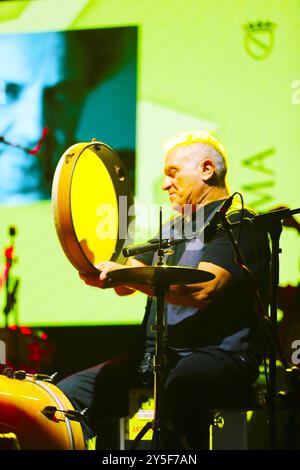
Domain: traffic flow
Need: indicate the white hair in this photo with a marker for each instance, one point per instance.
(210, 147)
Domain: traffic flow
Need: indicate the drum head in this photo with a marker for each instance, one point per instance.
(91, 197)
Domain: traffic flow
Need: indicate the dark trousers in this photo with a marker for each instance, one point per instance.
(195, 384)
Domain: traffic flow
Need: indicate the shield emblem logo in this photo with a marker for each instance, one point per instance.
(259, 39)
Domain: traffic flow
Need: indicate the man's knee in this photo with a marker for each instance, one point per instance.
(183, 376)
(182, 391)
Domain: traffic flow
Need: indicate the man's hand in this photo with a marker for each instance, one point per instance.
(100, 280)
(93, 280)
(107, 266)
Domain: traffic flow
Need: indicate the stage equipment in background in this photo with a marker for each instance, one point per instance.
(9, 283)
(27, 348)
(271, 222)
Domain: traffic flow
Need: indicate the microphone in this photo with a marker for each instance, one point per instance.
(208, 233)
(151, 246)
(12, 231)
(212, 226)
(145, 248)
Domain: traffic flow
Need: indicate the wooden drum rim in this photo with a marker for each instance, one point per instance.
(61, 200)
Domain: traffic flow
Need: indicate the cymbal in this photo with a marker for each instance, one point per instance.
(159, 275)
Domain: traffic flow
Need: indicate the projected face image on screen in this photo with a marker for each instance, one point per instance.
(45, 81)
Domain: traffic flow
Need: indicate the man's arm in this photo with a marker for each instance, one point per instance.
(199, 295)
(203, 294)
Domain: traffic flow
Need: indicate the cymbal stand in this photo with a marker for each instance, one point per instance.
(159, 359)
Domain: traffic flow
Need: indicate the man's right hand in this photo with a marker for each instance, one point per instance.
(100, 279)
(93, 280)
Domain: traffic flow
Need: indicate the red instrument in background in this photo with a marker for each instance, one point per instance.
(27, 348)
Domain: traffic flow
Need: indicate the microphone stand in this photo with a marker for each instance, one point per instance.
(10, 295)
(272, 223)
(274, 228)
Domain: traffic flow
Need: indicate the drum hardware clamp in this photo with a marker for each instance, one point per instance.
(97, 146)
(50, 411)
(69, 157)
(45, 377)
(19, 375)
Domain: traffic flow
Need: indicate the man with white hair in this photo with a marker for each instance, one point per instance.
(213, 329)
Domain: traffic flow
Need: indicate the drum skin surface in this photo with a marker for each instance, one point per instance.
(89, 188)
(21, 406)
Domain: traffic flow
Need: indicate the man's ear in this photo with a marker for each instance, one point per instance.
(207, 169)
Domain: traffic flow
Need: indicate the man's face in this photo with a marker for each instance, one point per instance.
(42, 85)
(183, 176)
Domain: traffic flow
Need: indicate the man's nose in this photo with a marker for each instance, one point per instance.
(30, 119)
(167, 183)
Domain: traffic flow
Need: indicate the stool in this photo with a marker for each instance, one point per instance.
(232, 427)
(247, 429)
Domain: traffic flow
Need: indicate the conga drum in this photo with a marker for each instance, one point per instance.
(92, 201)
(39, 414)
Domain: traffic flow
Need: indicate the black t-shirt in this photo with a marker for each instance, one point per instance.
(231, 322)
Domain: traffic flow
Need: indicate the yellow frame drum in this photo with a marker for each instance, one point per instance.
(91, 196)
